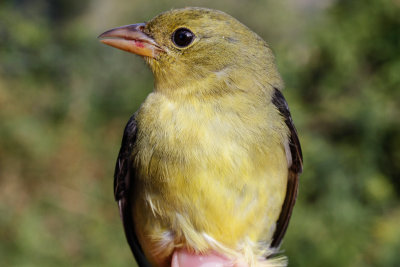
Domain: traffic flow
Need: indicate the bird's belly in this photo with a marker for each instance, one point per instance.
(204, 188)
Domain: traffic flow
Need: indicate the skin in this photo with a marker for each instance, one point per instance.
(211, 156)
(185, 258)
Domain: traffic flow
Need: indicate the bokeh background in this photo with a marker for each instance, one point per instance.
(65, 99)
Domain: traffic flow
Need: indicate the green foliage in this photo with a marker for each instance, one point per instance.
(65, 98)
(349, 93)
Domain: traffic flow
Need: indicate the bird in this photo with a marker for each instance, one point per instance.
(210, 162)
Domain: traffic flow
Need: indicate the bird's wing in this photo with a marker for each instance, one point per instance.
(295, 168)
(123, 182)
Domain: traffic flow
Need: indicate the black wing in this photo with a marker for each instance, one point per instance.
(123, 176)
(294, 169)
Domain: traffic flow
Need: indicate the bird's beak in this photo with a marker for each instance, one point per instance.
(131, 38)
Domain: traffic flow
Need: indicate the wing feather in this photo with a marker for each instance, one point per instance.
(295, 168)
(123, 180)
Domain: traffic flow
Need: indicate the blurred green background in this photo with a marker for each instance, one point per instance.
(65, 99)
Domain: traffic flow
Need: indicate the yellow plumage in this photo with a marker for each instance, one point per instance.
(211, 155)
(208, 169)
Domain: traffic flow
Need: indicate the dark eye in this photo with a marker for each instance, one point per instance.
(182, 37)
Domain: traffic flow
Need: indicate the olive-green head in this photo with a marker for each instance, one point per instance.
(191, 44)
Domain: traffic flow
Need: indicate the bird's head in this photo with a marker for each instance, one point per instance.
(193, 45)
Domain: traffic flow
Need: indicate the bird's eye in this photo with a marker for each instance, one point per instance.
(182, 37)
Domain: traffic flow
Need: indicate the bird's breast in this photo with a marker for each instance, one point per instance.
(206, 169)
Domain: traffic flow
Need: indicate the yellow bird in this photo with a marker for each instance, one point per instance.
(209, 164)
